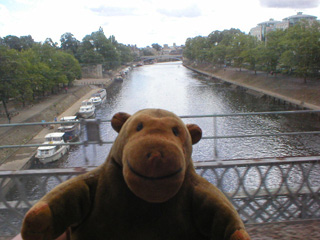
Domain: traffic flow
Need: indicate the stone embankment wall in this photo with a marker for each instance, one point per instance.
(92, 71)
(288, 90)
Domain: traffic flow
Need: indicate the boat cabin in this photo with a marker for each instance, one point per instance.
(68, 122)
(86, 103)
(54, 137)
(51, 138)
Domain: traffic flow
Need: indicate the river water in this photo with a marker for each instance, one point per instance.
(175, 88)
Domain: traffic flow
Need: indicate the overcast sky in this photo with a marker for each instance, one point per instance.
(142, 22)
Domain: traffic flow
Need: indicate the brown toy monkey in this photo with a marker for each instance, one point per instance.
(146, 189)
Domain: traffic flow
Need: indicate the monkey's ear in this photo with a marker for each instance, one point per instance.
(195, 132)
(118, 120)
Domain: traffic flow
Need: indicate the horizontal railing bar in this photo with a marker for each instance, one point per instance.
(206, 138)
(208, 164)
(34, 123)
(263, 135)
(45, 172)
(281, 192)
(255, 161)
(52, 123)
(184, 116)
(58, 144)
(250, 113)
(275, 192)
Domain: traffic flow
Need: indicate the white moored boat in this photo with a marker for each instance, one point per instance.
(99, 97)
(47, 154)
(87, 109)
(96, 100)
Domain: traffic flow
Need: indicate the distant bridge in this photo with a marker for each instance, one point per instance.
(162, 57)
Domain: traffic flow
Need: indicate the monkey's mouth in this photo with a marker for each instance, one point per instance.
(153, 178)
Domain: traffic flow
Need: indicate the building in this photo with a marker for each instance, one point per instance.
(262, 29)
(171, 50)
(293, 20)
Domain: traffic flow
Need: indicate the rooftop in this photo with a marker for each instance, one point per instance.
(271, 21)
(300, 15)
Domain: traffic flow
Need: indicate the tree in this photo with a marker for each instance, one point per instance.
(98, 46)
(12, 42)
(157, 47)
(197, 49)
(238, 45)
(217, 48)
(270, 54)
(126, 54)
(147, 51)
(37, 72)
(69, 43)
(22, 81)
(68, 67)
(215, 37)
(50, 42)
(26, 42)
(250, 53)
(188, 49)
(302, 49)
(229, 35)
(12, 76)
(111, 56)
(218, 54)
(60, 68)
(87, 53)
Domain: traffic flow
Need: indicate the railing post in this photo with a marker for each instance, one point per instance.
(215, 153)
(304, 207)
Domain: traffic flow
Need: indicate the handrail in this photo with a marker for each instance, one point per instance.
(182, 116)
(262, 189)
(84, 121)
(248, 183)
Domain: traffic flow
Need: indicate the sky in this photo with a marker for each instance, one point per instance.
(142, 22)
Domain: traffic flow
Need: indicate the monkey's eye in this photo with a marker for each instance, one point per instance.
(139, 127)
(175, 131)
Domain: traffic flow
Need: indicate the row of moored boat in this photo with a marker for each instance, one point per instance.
(69, 130)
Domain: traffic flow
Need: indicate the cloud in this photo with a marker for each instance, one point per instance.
(28, 2)
(301, 4)
(4, 15)
(189, 12)
(114, 11)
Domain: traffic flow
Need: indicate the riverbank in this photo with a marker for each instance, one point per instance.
(54, 106)
(59, 106)
(288, 89)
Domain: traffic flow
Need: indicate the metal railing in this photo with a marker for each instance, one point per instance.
(261, 189)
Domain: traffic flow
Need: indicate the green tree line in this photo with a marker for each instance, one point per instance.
(29, 69)
(96, 48)
(295, 50)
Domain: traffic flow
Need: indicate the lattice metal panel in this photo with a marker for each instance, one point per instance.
(18, 192)
(261, 191)
(268, 192)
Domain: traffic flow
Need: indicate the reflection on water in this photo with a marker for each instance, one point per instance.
(173, 87)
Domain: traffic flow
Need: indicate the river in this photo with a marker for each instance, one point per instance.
(173, 87)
